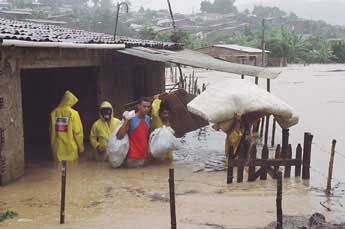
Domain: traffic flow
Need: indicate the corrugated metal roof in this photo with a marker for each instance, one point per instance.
(240, 48)
(200, 60)
(20, 30)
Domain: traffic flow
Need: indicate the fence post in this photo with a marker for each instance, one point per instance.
(308, 138)
(266, 129)
(273, 132)
(287, 172)
(264, 156)
(63, 191)
(242, 76)
(230, 168)
(172, 198)
(285, 142)
(279, 200)
(277, 156)
(252, 156)
(299, 158)
(262, 127)
(330, 169)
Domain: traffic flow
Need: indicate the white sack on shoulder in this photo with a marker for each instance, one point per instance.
(222, 100)
(117, 148)
(162, 140)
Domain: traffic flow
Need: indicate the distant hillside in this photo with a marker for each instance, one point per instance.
(332, 11)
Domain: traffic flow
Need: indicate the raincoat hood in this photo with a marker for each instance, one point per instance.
(106, 104)
(68, 100)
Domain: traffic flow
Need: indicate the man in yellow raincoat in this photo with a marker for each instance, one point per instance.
(160, 114)
(102, 129)
(66, 130)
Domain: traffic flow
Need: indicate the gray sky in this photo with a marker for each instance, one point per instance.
(329, 10)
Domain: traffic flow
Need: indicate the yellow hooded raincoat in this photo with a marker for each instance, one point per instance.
(157, 121)
(66, 130)
(101, 131)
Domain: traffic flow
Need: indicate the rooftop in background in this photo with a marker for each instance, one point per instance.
(27, 31)
(240, 48)
(50, 22)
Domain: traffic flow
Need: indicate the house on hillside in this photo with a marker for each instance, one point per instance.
(39, 62)
(236, 54)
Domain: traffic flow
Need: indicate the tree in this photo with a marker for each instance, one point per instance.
(267, 11)
(206, 6)
(147, 33)
(218, 6)
(338, 49)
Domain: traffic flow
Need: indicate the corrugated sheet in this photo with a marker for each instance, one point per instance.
(20, 30)
(240, 48)
(196, 59)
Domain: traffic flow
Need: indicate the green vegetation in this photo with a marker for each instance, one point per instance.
(8, 214)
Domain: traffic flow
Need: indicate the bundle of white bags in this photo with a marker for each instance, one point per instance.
(222, 100)
(162, 140)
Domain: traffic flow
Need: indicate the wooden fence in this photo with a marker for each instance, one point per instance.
(258, 166)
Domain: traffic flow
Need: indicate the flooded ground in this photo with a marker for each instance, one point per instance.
(101, 197)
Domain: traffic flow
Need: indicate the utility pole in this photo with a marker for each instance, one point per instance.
(263, 44)
(117, 15)
(174, 38)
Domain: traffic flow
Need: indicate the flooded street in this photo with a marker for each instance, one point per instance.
(100, 197)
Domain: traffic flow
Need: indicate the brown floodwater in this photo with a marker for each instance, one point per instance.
(100, 197)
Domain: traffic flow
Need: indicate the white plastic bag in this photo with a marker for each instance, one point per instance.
(162, 140)
(117, 148)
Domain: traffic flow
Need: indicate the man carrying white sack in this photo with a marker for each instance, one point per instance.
(160, 115)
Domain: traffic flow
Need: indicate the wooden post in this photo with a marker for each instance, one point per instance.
(287, 172)
(242, 76)
(240, 169)
(330, 169)
(262, 127)
(308, 139)
(256, 80)
(251, 171)
(285, 142)
(273, 132)
(268, 85)
(172, 198)
(63, 191)
(279, 200)
(230, 168)
(277, 156)
(266, 129)
(299, 158)
(264, 156)
(181, 76)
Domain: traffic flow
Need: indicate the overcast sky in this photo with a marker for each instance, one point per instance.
(330, 10)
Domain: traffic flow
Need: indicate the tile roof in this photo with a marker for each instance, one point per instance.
(27, 31)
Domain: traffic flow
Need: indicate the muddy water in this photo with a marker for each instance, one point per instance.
(100, 197)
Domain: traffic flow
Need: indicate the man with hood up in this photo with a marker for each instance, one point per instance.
(66, 130)
(102, 129)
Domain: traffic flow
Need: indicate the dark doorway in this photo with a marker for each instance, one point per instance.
(42, 90)
(139, 82)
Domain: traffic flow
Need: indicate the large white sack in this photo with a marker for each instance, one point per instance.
(162, 140)
(222, 100)
(117, 148)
